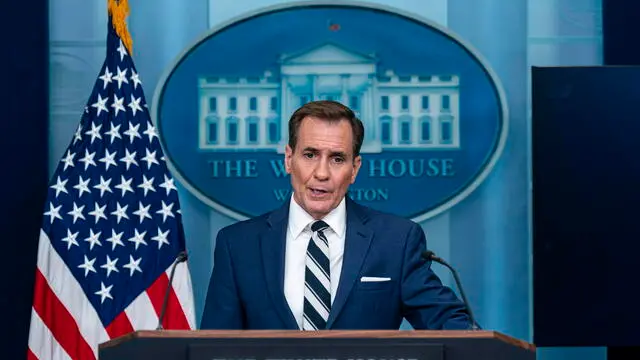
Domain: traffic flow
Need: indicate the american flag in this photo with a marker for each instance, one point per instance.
(111, 228)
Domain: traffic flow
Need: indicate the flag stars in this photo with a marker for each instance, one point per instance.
(129, 158)
(138, 238)
(68, 159)
(98, 212)
(108, 159)
(87, 265)
(106, 79)
(134, 104)
(103, 186)
(94, 132)
(150, 158)
(161, 238)
(165, 211)
(93, 239)
(168, 184)
(114, 132)
(82, 186)
(133, 265)
(100, 105)
(105, 292)
(77, 212)
(120, 212)
(117, 104)
(125, 185)
(71, 239)
(78, 135)
(135, 78)
(150, 132)
(110, 265)
(142, 212)
(54, 212)
(88, 159)
(121, 77)
(147, 185)
(115, 239)
(122, 50)
(59, 186)
(132, 132)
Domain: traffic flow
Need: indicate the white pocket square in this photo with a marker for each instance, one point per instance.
(374, 279)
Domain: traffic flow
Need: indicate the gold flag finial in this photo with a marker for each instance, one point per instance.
(119, 10)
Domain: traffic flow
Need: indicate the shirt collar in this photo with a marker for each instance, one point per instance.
(300, 220)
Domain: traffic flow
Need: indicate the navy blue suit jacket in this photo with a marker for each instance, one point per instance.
(246, 290)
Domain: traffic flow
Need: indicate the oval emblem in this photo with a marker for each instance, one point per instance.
(435, 114)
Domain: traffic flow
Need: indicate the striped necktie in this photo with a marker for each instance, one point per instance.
(317, 280)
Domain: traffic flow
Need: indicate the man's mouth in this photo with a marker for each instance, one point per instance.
(316, 191)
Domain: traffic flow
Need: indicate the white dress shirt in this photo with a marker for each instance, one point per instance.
(298, 235)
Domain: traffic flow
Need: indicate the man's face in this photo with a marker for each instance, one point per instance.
(322, 165)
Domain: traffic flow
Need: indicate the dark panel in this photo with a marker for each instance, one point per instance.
(586, 193)
(620, 23)
(623, 353)
(620, 28)
(23, 174)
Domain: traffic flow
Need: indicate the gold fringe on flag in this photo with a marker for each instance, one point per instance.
(119, 11)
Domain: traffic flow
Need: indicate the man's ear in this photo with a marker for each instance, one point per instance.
(288, 154)
(357, 163)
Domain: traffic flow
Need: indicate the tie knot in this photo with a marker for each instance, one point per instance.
(319, 226)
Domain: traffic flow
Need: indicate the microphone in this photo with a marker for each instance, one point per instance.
(431, 256)
(182, 257)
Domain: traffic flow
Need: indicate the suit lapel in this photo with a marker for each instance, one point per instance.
(273, 245)
(357, 241)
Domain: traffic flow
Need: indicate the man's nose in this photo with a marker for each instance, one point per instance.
(322, 170)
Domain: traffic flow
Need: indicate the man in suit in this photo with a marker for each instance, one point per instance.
(322, 261)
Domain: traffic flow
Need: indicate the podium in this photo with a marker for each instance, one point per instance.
(316, 345)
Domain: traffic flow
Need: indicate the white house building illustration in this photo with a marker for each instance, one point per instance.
(399, 111)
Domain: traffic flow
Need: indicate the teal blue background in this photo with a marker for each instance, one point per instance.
(487, 236)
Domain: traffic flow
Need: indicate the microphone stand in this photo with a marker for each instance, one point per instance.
(182, 257)
(430, 255)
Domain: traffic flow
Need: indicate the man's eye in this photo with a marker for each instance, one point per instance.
(308, 155)
(338, 159)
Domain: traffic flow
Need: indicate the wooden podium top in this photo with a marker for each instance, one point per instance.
(283, 334)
